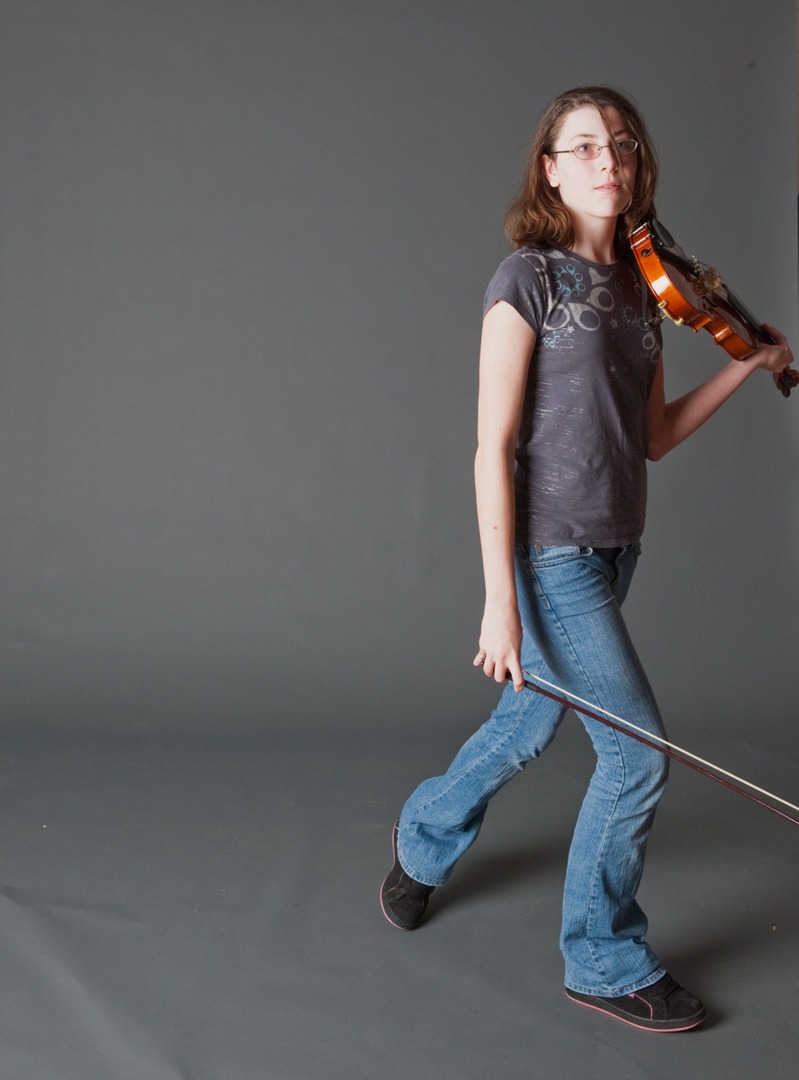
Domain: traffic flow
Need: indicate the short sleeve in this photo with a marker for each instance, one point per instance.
(520, 281)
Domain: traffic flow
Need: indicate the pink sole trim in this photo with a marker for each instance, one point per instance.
(640, 1026)
(388, 918)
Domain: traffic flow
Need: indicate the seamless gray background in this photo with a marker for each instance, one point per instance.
(244, 251)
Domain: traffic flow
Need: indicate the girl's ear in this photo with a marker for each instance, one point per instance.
(550, 167)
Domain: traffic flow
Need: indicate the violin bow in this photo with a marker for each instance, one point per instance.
(721, 776)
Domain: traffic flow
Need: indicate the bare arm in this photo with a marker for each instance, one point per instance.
(671, 423)
(505, 350)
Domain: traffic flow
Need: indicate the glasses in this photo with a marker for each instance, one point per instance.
(586, 151)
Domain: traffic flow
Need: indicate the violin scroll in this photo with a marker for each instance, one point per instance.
(786, 380)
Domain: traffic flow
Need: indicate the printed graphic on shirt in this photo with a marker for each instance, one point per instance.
(587, 297)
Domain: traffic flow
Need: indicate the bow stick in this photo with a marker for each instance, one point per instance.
(684, 757)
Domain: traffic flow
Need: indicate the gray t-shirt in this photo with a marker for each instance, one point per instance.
(581, 454)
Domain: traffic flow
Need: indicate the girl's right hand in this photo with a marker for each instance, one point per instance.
(500, 647)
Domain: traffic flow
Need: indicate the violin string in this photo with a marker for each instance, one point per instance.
(685, 757)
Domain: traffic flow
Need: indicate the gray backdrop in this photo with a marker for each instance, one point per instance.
(244, 247)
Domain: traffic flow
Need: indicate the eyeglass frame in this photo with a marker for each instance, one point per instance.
(598, 149)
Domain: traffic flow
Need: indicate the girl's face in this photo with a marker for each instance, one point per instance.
(600, 187)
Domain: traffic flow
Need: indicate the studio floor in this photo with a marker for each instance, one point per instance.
(205, 908)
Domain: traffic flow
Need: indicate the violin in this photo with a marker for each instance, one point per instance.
(693, 294)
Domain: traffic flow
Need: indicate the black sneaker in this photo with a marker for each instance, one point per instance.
(402, 899)
(664, 1006)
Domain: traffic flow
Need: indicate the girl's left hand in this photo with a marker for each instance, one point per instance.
(777, 359)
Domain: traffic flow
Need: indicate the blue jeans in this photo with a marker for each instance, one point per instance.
(574, 636)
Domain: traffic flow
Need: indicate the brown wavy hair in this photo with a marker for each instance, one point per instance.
(537, 214)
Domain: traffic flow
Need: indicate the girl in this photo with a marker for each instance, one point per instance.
(571, 404)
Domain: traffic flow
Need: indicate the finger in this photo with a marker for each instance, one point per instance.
(778, 336)
(498, 673)
(516, 676)
(480, 659)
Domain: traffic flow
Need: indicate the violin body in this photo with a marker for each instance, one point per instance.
(692, 294)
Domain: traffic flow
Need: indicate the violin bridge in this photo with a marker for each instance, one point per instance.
(707, 278)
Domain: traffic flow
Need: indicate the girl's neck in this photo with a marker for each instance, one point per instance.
(596, 243)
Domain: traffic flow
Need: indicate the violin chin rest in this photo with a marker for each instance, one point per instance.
(662, 233)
